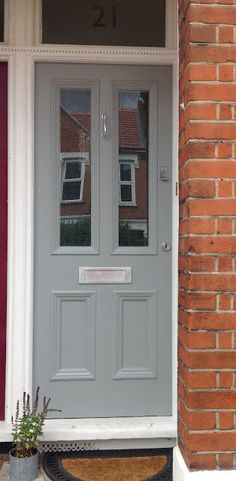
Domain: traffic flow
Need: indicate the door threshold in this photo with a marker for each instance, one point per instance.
(107, 433)
(115, 433)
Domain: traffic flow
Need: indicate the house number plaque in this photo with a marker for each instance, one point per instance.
(104, 22)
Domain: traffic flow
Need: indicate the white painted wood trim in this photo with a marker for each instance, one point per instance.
(142, 428)
(91, 54)
(181, 472)
(21, 58)
(171, 24)
(21, 215)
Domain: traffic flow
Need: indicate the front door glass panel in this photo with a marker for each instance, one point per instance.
(75, 167)
(133, 168)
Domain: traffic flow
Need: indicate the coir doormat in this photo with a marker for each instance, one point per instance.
(118, 465)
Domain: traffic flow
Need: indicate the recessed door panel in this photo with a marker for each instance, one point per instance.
(102, 316)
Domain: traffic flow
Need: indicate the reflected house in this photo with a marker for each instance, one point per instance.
(133, 174)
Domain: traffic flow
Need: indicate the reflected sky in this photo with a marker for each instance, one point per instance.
(79, 100)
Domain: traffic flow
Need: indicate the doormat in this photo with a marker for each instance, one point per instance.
(115, 465)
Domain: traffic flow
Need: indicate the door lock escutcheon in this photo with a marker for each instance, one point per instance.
(166, 246)
(164, 176)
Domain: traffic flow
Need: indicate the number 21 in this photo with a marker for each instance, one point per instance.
(100, 15)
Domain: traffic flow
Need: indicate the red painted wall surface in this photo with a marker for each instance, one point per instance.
(3, 230)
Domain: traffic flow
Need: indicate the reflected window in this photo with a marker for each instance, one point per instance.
(133, 176)
(75, 167)
(127, 183)
(73, 172)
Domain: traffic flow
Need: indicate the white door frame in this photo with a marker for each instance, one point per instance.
(21, 234)
(21, 61)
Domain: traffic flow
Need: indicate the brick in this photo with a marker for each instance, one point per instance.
(197, 188)
(226, 110)
(207, 282)
(224, 149)
(209, 245)
(198, 461)
(211, 53)
(223, 399)
(224, 303)
(226, 461)
(196, 301)
(218, 14)
(198, 71)
(202, 34)
(197, 340)
(226, 74)
(213, 92)
(221, 169)
(211, 130)
(209, 360)
(212, 441)
(224, 226)
(225, 265)
(208, 320)
(226, 34)
(200, 111)
(226, 380)
(212, 206)
(201, 263)
(197, 226)
(196, 379)
(200, 420)
(225, 189)
(226, 420)
(225, 340)
(197, 150)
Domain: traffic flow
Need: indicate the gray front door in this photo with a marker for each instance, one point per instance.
(102, 317)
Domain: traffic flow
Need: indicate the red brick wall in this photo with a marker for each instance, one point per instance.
(207, 262)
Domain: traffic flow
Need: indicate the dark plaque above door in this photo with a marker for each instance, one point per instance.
(104, 22)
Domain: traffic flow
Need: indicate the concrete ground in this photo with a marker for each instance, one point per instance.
(4, 473)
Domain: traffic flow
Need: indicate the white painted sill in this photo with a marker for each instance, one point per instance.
(96, 429)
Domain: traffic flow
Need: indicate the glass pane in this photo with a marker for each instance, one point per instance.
(126, 193)
(75, 161)
(125, 172)
(88, 22)
(73, 170)
(71, 191)
(133, 146)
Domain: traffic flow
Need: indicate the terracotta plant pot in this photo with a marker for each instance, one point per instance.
(23, 469)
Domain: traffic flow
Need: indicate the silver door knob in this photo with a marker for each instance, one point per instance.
(166, 246)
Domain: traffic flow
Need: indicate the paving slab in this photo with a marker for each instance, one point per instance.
(4, 474)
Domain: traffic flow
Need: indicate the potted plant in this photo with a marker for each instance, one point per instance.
(27, 427)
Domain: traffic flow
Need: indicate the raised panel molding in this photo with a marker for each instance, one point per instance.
(135, 324)
(87, 341)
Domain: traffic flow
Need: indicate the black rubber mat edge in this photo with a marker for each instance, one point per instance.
(55, 471)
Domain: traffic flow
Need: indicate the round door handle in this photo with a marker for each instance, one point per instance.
(166, 246)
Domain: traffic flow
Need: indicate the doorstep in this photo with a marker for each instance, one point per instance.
(4, 473)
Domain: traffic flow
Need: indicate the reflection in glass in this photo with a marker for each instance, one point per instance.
(133, 168)
(75, 160)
